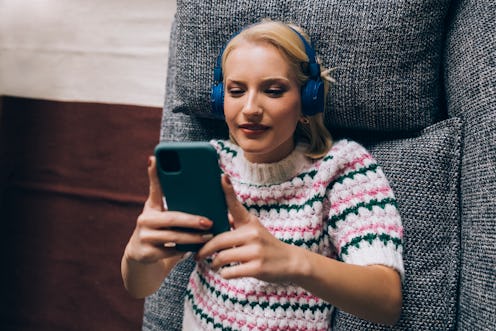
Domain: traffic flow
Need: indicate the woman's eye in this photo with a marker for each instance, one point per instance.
(235, 92)
(274, 92)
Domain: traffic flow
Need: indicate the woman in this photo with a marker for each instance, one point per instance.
(314, 224)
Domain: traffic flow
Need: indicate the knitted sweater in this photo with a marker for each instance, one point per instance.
(340, 206)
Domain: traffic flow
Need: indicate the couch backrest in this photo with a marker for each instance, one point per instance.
(470, 78)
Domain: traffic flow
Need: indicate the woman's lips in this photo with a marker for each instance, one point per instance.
(249, 128)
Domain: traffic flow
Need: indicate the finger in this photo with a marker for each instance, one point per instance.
(155, 196)
(223, 241)
(239, 270)
(170, 238)
(153, 219)
(238, 212)
(233, 255)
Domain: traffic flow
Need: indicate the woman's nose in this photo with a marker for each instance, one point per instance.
(252, 105)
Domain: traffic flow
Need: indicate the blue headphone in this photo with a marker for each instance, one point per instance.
(312, 92)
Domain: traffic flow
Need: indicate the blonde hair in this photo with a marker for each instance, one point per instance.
(283, 37)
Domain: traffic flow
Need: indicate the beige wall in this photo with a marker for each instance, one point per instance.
(112, 51)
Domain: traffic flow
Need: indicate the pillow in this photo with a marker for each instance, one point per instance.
(424, 173)
(386, 55)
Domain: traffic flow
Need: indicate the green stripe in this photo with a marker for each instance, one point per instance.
(197, 310)
(226, 149)
(306, 243)
(287, 207)
(264, 305)
(354, 210)
(372, 167)
(370, 238)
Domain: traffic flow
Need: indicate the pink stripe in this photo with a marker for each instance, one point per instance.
(209, 308)
(257, 199)
(360, 160)
(374, 228)
(302, 230)
(335, 207)
(231, 320)
(217, 282)
(318, 185)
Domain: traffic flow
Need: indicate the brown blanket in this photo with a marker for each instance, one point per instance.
(72, 181)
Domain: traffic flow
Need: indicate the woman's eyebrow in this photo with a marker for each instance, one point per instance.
(233, 81)
(276, 79)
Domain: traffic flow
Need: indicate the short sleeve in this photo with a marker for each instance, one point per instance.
(364, 222)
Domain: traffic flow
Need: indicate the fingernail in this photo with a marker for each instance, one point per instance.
(207, 236)
(205, 222)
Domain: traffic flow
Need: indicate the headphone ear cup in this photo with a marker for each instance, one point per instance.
(217, 100)
(312, 97)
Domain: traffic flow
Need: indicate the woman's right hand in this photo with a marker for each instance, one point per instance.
(158, 230)
(151, 251)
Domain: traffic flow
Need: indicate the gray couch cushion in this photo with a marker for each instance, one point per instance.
(387, 55)
(163, 310)
(424, 172)
(471, 94)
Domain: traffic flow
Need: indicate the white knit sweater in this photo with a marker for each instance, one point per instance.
(340, 206)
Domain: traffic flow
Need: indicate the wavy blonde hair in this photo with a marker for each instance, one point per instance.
(283, 37)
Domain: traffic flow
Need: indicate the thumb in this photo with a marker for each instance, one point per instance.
(155, 196)
(237, 211)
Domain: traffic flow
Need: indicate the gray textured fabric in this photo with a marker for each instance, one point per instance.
(177, 126)
(471, 90)
(387, 55)
(424, 174)
(163, 310)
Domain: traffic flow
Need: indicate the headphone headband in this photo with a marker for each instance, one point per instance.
(314, 67)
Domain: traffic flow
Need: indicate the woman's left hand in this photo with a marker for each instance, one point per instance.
(249, 250)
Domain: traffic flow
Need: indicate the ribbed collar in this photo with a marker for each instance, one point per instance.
(271, 173)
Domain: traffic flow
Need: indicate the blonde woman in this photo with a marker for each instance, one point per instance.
(314, 223)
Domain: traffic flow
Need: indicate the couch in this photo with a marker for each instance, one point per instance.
(415, 83)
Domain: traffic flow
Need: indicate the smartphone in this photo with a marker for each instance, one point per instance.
(189, 176)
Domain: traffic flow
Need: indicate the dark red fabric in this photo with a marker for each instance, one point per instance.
(73, 180)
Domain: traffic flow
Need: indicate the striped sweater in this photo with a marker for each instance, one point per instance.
(340, 206)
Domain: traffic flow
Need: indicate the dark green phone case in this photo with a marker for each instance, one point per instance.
(189, 176)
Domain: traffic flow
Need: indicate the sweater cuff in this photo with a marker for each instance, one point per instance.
(377, 253)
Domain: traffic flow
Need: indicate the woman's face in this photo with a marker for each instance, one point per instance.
(262, 102)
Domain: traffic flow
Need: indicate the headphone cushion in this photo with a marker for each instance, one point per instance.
(217, 100)
(312, 97)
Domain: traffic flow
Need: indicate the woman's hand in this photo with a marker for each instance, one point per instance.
(150, 253)
(158, 231)
(249, 250)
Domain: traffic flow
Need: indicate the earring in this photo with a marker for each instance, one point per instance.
(304, 120)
